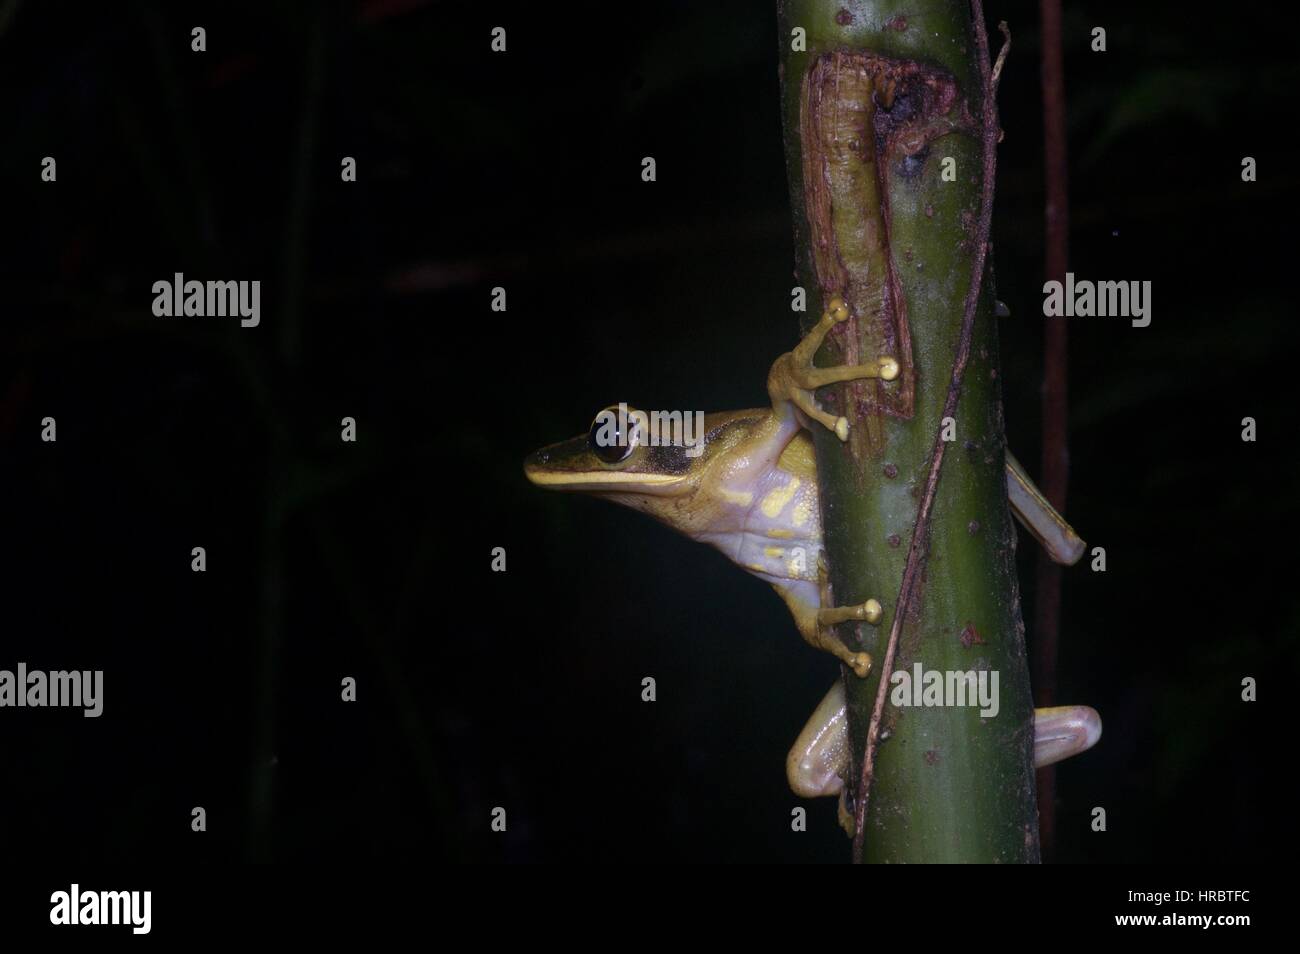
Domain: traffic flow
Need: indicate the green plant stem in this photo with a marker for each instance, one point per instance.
(887, 98)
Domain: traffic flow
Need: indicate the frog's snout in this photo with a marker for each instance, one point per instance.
(535, 465)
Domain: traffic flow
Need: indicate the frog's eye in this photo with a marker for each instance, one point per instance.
(614, 435)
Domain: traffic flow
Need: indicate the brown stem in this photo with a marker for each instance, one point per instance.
(1055, 469)
(989, 134)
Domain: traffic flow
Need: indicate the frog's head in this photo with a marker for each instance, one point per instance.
(620, 458)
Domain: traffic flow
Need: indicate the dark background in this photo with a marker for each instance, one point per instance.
(371, 560)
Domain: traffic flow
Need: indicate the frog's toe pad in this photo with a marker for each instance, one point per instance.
(872, 611)
(860, 663)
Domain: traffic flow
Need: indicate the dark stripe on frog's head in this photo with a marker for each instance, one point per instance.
(572, 464)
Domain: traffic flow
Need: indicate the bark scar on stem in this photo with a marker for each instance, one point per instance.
(989, 135)
(866, 119)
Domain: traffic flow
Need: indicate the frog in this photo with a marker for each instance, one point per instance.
(750, 490)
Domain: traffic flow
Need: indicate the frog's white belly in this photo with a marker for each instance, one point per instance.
(772, 530)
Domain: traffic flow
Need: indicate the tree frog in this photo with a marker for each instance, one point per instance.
(751, 491)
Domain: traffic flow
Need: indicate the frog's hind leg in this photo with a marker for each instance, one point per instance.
(1063, 731)
(820, 755)
(821, 752)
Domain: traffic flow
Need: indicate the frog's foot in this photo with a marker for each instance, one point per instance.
(794, 377)
(1063, 731)
(828, 615)
(870, 611)
(814, 626)
(847, 821)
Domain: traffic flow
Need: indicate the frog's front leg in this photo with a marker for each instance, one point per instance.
(794, 377)
(815, 622)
